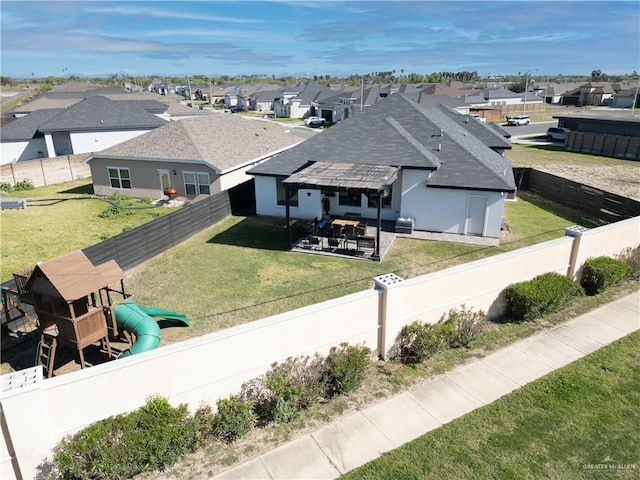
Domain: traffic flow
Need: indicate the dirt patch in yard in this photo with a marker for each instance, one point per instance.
(619, 179)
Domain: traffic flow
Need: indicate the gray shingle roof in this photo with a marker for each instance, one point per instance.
(482, 131)
(100, 113)
(25, 128)
(223, 141)
(397, 131)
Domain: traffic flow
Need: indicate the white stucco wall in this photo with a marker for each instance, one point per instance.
(309, 201)
(20, 151)
(86, 142)
(445, 210)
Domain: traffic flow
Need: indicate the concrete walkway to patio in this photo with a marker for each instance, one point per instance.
(365, 435)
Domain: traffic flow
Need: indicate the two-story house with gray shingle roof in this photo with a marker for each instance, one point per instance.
(197, 156)
(447, 179)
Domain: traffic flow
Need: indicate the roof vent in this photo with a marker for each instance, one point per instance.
(439, 146)
(442, 132)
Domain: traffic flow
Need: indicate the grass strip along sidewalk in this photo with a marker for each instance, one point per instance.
(579, 422)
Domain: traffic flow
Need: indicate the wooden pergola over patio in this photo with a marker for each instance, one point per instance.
(371, 180)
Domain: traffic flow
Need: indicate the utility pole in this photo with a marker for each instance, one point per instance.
(526, 88)
(635, 98)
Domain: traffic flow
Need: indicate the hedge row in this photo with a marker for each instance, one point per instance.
(157, 435)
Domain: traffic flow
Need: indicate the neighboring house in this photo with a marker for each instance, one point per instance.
(87, 126)
(263, 101)
(300, 100)
(21, 140)
(503, 96)
(625, 98)
(94, 124)
(422, 163)
(592, 93)
(198, 156)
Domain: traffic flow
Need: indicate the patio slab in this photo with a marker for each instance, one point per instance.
(253, 469)
(352, 441)
(483, 382)
(302, 459)
(517, 365)
(549, 350)
(401, 419)
(575, 339)
(444, 399)
(593, 328)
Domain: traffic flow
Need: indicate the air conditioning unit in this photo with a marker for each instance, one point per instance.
(404, 225)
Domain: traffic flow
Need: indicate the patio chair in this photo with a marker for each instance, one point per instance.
(316, 241)
(334, 242)
(349, 234)
(337, 231)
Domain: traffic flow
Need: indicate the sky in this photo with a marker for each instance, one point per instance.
(318, 37)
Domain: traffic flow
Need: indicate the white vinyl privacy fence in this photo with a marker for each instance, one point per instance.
(37, 413)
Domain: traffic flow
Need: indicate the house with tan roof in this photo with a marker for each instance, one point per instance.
(197, 157)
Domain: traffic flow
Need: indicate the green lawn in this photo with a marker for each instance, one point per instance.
(572, 424)
(40, 233)
(240, 270)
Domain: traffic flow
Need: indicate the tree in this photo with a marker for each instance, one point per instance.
(518, 86)
(598, 75)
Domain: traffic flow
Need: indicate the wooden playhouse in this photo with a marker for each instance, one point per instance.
(72, 294)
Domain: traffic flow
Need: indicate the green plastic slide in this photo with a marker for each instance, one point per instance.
(141, 322)
(166, 314)
(131, 317)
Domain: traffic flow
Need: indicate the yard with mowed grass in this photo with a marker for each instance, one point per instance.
(579, 422)
(240, 269)
(40, 233)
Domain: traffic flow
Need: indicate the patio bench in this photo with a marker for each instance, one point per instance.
(365, 242)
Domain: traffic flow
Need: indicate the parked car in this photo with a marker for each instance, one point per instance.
(314, 121)
(519, 120)
(555, 134)
(479, 118)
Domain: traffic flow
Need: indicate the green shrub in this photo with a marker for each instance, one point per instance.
(6, 187)
(347, 367)
(235, 418)
(631, 256)
(601, 273)
(545, 294)
(23, 185)
(117, 200)
(287, 388)
(466, 325)
(204, 419)
(419, 341)
(152, 437)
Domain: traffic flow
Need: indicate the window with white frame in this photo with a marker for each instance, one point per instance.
(196, 183)
(119, 178)
(281, 194)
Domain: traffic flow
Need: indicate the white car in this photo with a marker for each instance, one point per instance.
(314, 121)
(519, 120)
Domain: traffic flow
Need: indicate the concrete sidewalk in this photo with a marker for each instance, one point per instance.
(365, 435)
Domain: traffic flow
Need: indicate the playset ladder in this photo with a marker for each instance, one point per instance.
(47, 354)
